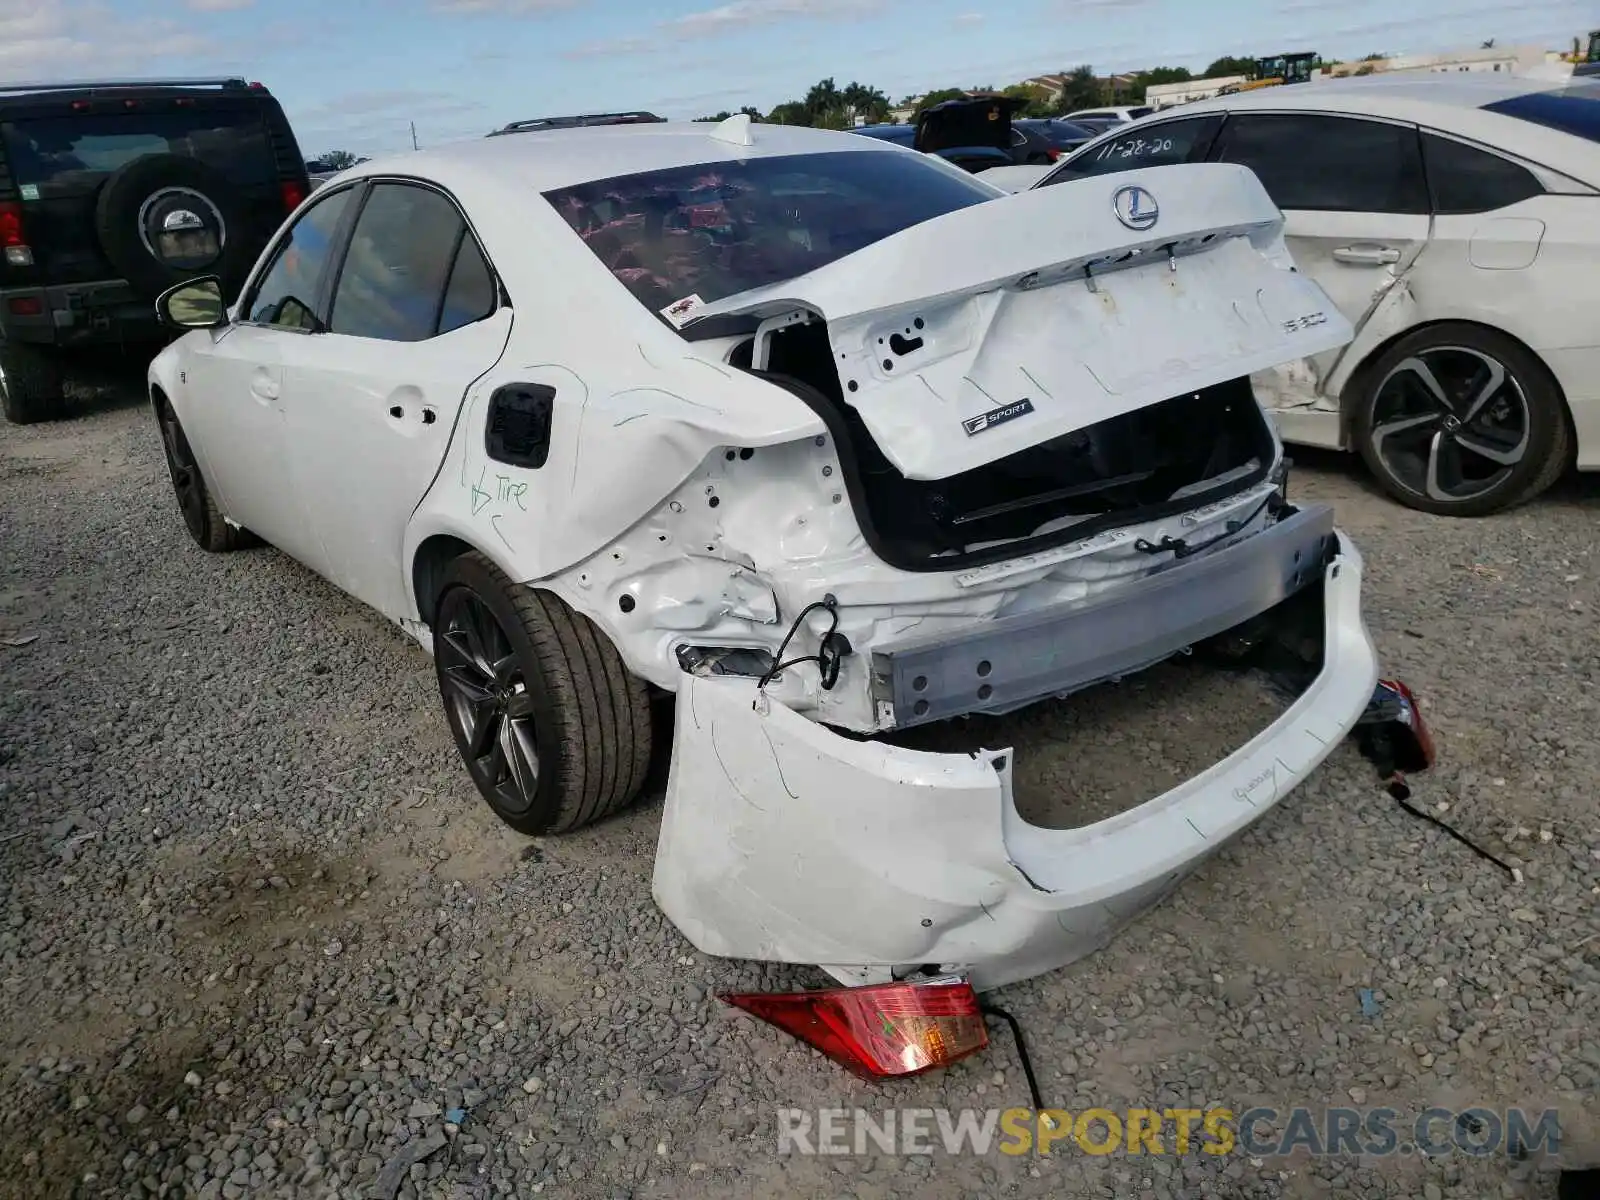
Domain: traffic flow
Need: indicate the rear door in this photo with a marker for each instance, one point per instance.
(1356, 217)
(371, 404)
(59, 158)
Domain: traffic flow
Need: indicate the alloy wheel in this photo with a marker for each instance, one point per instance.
(185, 474)
(1450, 423)
(487, 700)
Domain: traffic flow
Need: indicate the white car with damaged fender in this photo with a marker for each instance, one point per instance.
(801, 430)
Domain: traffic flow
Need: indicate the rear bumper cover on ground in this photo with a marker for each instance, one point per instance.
(784, 841)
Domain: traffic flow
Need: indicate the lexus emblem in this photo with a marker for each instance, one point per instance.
(1135, 207)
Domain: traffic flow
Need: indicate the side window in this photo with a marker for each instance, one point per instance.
(1155, 145)
(471, 293)
(402, 252)
(1464, 179)
(1327, 163)
(288, 290)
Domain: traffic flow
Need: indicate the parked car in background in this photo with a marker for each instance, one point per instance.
(812, 435)
(1044, 140)
(110, 192)
(1455, 219)
(1119, 114)
(979, 134)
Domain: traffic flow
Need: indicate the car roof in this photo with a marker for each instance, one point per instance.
(558, 158)
(1388, 94)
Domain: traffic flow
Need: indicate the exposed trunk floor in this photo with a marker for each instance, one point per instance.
(1115, 746)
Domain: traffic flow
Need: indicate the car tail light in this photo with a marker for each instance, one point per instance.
(12, 238)
(882, 1031)
(1054, 152)
(25, 306)
(293, 194)
(80, 105)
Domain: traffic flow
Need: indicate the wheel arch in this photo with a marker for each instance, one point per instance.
(428, 564)
(1349, 395)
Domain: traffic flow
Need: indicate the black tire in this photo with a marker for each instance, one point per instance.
(30, 384)
(201, 516)
(1429, 453)
(206, 191)
(563, 688)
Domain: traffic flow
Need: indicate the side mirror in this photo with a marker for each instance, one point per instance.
(193, 304)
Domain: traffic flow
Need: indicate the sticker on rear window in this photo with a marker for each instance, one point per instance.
(30, 191)
(998, 416)
(679, 311)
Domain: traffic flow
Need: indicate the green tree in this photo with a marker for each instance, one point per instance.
(790, 112)
(1230, 65)
(1378, 57)
(1037, 102)
(1079, 89)
(869, 103)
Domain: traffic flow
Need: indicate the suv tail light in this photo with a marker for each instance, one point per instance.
(12, 238)
(882, 1031)
(293, 194)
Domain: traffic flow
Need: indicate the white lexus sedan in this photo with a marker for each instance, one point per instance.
(806, 431)
(1455, 221)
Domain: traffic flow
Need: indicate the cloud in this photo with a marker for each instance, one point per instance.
(64, 39)
(508, 8)
(396, 103)
(725, 19)
(971, 18)
(219, 5)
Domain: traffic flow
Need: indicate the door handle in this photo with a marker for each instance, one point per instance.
(1367, 256)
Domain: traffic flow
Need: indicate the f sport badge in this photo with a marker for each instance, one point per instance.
(997, 416)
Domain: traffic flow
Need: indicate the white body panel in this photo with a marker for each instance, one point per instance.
(994, 303)
(778, 836)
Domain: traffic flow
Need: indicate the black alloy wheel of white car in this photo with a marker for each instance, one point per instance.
(201, 516)
(554, 730)
(1459, 420)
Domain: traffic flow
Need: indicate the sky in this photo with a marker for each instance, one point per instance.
(354, 74)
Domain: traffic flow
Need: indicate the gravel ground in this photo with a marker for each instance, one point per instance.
(259, 934)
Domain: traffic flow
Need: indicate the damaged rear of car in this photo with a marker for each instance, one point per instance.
(1038, 466)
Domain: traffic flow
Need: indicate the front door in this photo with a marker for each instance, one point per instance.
(236, 420)
(372, 402)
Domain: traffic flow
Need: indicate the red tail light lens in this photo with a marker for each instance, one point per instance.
(25, 306)
(1054, 153)
(13, 241)
(11, 224)
(293, 194)
(879, 1032)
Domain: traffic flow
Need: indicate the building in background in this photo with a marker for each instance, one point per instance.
(1168, 95)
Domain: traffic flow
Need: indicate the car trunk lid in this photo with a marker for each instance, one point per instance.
(997, 327)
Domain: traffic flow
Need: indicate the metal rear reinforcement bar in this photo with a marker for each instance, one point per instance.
(1016, 660)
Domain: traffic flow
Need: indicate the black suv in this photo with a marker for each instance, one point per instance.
(111, 192)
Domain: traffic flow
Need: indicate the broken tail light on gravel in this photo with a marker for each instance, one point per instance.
(1392, 734)
(882, 1031)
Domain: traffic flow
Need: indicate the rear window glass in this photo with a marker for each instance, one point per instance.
(717, 229)
(65, 152)
(1574, 110)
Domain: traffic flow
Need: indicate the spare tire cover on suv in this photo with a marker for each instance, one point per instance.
(164, 218)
